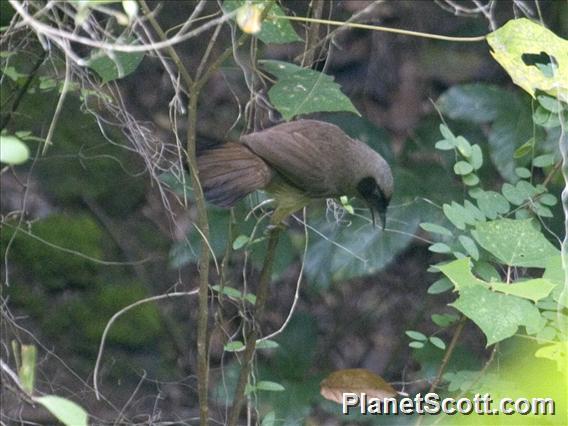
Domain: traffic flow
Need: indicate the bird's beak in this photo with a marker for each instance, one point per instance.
(382, 211)
(383, 216)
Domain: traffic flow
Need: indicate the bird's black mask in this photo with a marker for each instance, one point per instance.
(375, 198)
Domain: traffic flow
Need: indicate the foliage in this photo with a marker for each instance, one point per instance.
(492, 240)
(303, 91)
(272, 30)
(13, 150)
(534, 57)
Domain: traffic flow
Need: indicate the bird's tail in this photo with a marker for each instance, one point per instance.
(230, 172)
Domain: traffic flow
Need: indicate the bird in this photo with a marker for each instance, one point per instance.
(296, 162)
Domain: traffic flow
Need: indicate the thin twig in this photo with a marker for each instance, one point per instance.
(23, 90)
(171, 51)
(59, 106)
(261, 297)
(447, 356)
(74, 252)
(57, 34)
(449, 352)
(381, 28)
(297, 292)
(312, 35)
(115, 317)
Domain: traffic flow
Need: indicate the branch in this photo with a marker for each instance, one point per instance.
(203, 262)
(115, 317)
(312, 35)
(447, 356)
(171, 51)
(58, 35)
(261, 297)
(381, 28)
(23, 90)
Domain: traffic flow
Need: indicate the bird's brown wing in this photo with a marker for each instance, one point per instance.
(231, 172)
(297, 151)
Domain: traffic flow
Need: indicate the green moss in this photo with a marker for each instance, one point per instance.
(137, 327)
(54, 268)
(83, 318)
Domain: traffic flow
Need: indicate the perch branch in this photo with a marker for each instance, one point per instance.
(445, 361)
(261, 297)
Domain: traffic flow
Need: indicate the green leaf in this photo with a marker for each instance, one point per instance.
(470, 179)
(304, 91)
(240, 242)
(483, 103)
(469, 246)
(436, 229)
(524, 149)
(544, 118)
(416, 345)
(447, 134)
(535, 289)
(521, 45)
(548, 199)
(464, 147)
(114, 65)
(492, 204)
(228, 291)
(436, 341)
(440, 286)
(556, 275)
(440, 248)
(479, 103)
(515, 242)
(267, 344)
(523, 172)
(444, 320)
(269, 386)
(13, 150)
(476, 159)
(545, 160)
(67, 412)
(486, 271)
(234, 346)
(512, 194)
(26, 372)
(527, 189)
(541, 211)
(444, 145)
(497, 315)
(275, 31)
(416, 335)
(458, 215)
(269, 419)
(473, 211)
(462, 168)
(512, 125)
(549, 103)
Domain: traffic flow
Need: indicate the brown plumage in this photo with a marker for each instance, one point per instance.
(230, 172)
(296, 161)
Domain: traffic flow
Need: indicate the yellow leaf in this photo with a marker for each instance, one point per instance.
(534, 57)
(249, 18)
(355, 380)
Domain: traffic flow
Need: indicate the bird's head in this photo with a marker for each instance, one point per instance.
(376, 189)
